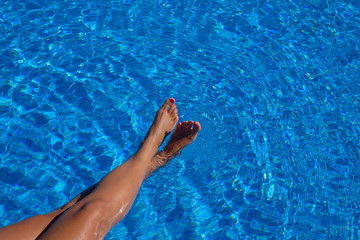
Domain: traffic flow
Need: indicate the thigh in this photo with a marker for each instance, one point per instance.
(29, 228)
(32, 227)
(86, 220)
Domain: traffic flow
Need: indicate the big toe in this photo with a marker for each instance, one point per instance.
(168, 103)
(196, 128)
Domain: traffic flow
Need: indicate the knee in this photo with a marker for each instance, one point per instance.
(104, 211)
(97, 208)
(98, 212)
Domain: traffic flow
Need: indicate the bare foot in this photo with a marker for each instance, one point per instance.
(164, 122)
(184, 134)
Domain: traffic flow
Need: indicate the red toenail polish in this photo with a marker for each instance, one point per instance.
(172, 100)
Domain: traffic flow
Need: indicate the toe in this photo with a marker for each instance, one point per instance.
(176, 118)
(181, 127)
(172, 109)
(174, 113)
(177, 129)
(184, 125)
(197, 126)
(168, 103)
(188, 127)
(190, 124)
(195, 130)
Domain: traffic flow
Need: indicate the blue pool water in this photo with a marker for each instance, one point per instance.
(275, 85)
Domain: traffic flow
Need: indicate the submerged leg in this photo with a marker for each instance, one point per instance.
(184, 134)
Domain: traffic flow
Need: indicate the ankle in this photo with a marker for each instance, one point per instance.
(153, 141)
(159, 160)
(160, 156)
(149, 145)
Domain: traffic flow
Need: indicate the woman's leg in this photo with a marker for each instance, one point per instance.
(95, 215)
(91, 213)
(31, 228)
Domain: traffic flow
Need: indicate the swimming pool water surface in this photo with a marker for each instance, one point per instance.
(274, 84)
